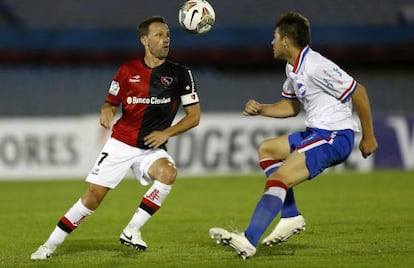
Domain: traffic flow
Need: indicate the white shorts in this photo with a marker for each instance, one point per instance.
(117, 158)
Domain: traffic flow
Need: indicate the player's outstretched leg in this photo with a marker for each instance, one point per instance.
(266, 210)
(68, 223)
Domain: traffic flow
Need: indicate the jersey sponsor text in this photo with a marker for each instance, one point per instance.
(151, 100)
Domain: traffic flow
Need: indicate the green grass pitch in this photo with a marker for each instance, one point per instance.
(353, 220)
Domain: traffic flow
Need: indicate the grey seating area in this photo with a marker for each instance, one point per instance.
(37, 88)
(231, 13)
(51, 91)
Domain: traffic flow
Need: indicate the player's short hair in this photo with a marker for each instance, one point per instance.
(296, 27)
(143, 27)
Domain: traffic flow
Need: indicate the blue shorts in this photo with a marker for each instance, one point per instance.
(323, 148)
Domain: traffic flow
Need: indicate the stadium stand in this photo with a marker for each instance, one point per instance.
(126, 13)
(69, 50)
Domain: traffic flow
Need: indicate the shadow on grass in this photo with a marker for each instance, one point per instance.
(96, 247)
(281, 250)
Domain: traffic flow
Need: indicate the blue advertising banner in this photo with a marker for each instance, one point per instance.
(395, 136)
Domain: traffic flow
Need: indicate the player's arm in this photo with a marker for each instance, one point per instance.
(360, 99)
(108, 112)
(190, 120)
(281, 109)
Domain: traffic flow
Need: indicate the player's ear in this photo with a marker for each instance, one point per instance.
(144, 40)
(285, 41)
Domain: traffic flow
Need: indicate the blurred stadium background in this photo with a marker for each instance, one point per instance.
(58, 57)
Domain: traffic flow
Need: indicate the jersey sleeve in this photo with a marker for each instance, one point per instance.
(114, 96)
(188, 88)
(288, 91)
(335, 81)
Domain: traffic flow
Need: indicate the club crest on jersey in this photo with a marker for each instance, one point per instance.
(166, 81)
(301, 89)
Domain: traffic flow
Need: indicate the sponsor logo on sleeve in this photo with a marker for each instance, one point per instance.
(114, 88)
(135, 79)
(331, 74)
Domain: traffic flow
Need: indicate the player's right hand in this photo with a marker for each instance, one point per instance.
(107, 114)
(106, 119)
(104, 122)
(252, 107)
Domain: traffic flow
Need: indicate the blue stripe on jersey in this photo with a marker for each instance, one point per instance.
(289, 95)
(348, 93)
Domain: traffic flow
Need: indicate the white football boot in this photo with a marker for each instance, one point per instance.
(132, 238)
(42, 253)
(284, 230)
(235, 240)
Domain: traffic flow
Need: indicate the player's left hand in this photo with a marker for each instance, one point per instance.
(368, 145)
(155, 139)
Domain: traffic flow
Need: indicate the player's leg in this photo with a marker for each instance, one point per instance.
(266, 210)
(322, 149)
(103, 169)
(75, 215)
(159, 167)
(291, 172)
(272, 152)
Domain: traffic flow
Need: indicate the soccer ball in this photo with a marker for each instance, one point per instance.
(197, 16)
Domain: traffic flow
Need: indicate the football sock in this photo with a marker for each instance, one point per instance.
(69, 222)
(269, 165)
(150, 203)
(266, 210)
(289, 208)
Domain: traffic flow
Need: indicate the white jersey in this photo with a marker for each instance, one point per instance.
(324, 90)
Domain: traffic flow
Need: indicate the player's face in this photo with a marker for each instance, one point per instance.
(279, 48)
(158, 40)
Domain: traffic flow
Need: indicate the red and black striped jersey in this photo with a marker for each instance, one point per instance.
(149, 98)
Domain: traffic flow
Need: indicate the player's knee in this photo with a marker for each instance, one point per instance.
(166, 173)
(266, 150)
(263, 149)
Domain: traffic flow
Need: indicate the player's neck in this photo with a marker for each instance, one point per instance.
(153, 62)
(294, 53)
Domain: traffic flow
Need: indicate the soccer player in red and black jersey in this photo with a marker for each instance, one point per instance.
(149, 91)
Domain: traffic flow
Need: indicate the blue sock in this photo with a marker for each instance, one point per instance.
(266, 210)
(289, 208)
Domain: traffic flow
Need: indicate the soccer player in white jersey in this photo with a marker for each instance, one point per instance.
(327, 94)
